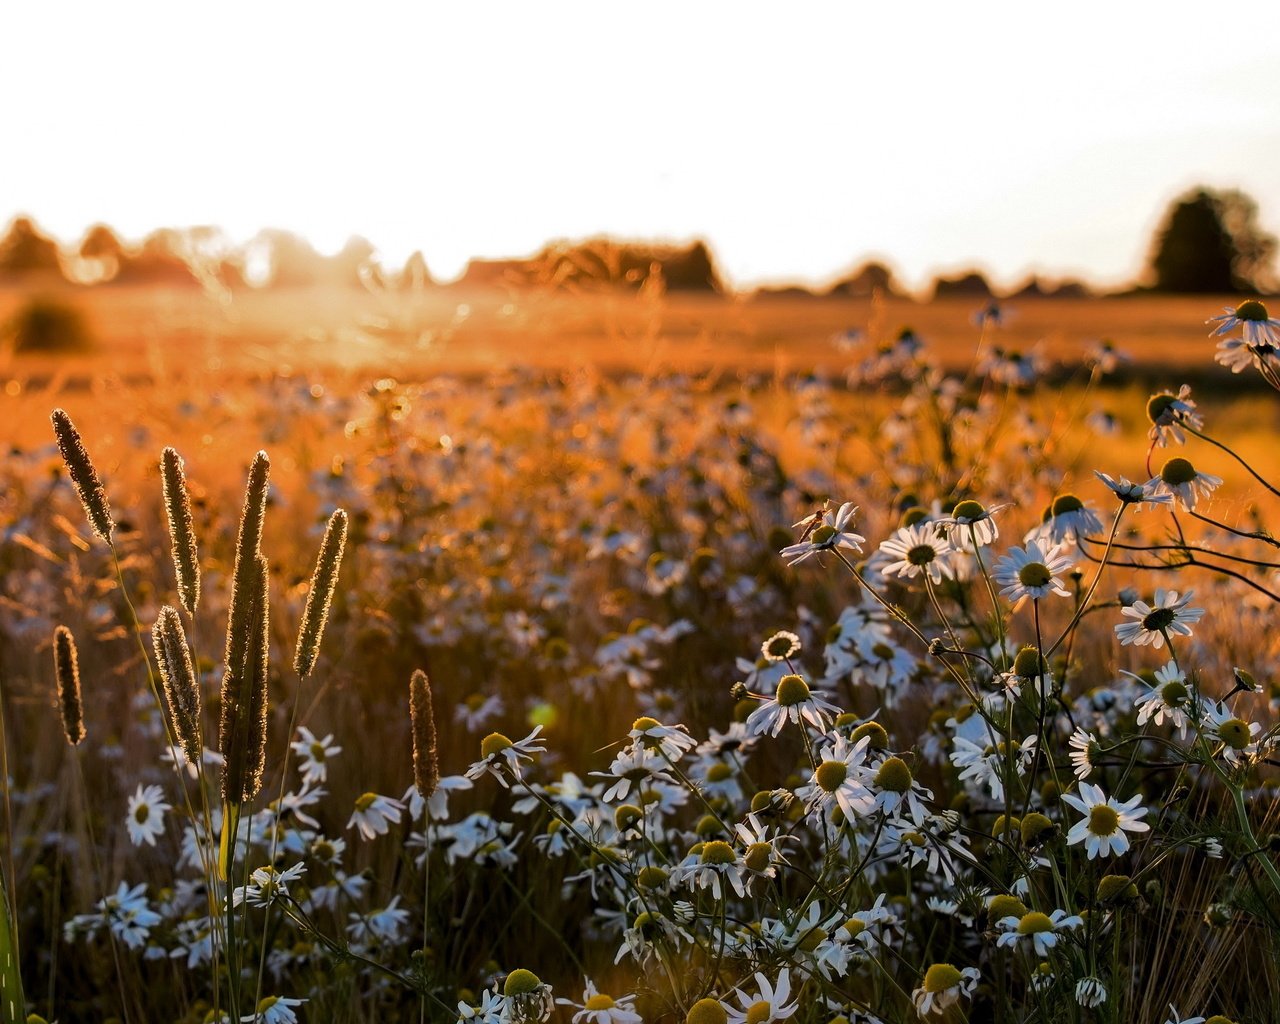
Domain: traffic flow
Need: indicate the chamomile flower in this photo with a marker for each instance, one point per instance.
(793, 702)
(146, 815)
(1066, 520)
(1175, 1017)
(266, 885)
(490, 1010)
(314, 755)
(274, 1010)
(1169, 698)
(715, 863)
(971, 517)
(1084, 750)
(601, 1008)
(1238, 736)
(1130, 493)
(942, 987)
(1090, 992)
(840, 780)
(502, 758)
(1258, 327)
(1037, 929)
(781, 646)
(918, 550)
(767, 1004)
(830, 533)
(374, 814)
(1152, 623)
(897, 792)
(1106, 821)
(1179, 478)
(669, 741)
(1169, 413)
(1031, 572)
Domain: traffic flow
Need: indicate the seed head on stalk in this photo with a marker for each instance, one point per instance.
(66, 666)
(83, 475)
(323, 583)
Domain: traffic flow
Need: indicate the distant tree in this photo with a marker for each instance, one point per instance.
(867, 280)
(969, 285)
(1210, 242)
(158, 261)
(25, 251)
(692, 269)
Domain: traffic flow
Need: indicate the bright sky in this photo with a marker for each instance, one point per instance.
(797, 138)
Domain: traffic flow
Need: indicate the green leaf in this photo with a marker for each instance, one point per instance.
(13, 1004)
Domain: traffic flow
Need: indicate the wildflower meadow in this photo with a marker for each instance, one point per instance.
(911, 691)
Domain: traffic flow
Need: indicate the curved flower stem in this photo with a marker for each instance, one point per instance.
(1218, 444)
(1093, 585)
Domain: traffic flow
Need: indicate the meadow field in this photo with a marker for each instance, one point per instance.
(774, 659)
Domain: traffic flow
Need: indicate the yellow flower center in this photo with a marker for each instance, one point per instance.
(831, 775)
(792, 690)
(758, 856)
(941, 977)
(1103, 820)
(970, 510)
(1034, 574)
(1034, 922)
(1234, 733)
(706, 1011)
(365, 801)
(1173, 693)
(823, 534)
(759, 1012)
(894, 776)
(493, 743)
(1251, 309)
(142, 814)
(520, 982)
(1065, 503)
(600, 1001)
(716, 852)
(1177, 471)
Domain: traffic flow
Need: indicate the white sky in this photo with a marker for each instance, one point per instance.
(797, 138)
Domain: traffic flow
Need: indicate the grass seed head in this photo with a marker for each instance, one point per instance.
(66, 665)
(83, 475)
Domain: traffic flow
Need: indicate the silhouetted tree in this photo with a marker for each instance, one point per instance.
(25, 251)
(1211, 242)
(969, 285)
(692, 269)
(867, 280)
(158, 261)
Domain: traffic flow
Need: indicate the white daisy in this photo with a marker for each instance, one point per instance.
(1084, 748)
(314, 754)
(274, 1010)
(1031, 572)
(1066, 521)
(768, 1004)
(1169, 413)
(918, 550)
(601, 1008)
(970, 516)
(1153, 622)
(502, 758)
(374, 814)
(146, 815)
(827, 531)
(1169, 698)
(942, 987)
(1090, 992)
(1038, 929)
(793, 702)
(840, 780)
(1106, 821)
(1258, 327)
(1179, 478)
(1133, 494)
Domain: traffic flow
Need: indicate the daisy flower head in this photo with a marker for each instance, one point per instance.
(671, 741)
(918, 550)
(1090, 992)
(1130, 493)
(1175, 1017)
(1084, 752)
(781, 646)
(526, 998)
(146, 815)
(374, 814)
(1169, 697)
(1251, 316)
(1105, 821)
(767, 1004)
(970, 515)
(601, 1008)
(274, 1010)
(1237, 735)
(1238, 355)
(1152, 623)
(943, 986)
(840, 780)
(792, 702)
(314, 755)
(897, 791)
(502, 758)
(1179, 478)
(1037, 929)
(1169, 413)
(1032, 572)
(1065, 521)
(825, 531)
(715, 862)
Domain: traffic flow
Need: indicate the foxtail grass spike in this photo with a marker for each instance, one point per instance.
(323, 583)
(244, 698)
(83, 475)
(66, 665)
(248, 547)
(181, 690)
(182, 535)
(426, 766)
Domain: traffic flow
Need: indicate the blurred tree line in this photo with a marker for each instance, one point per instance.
(1209, 241)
